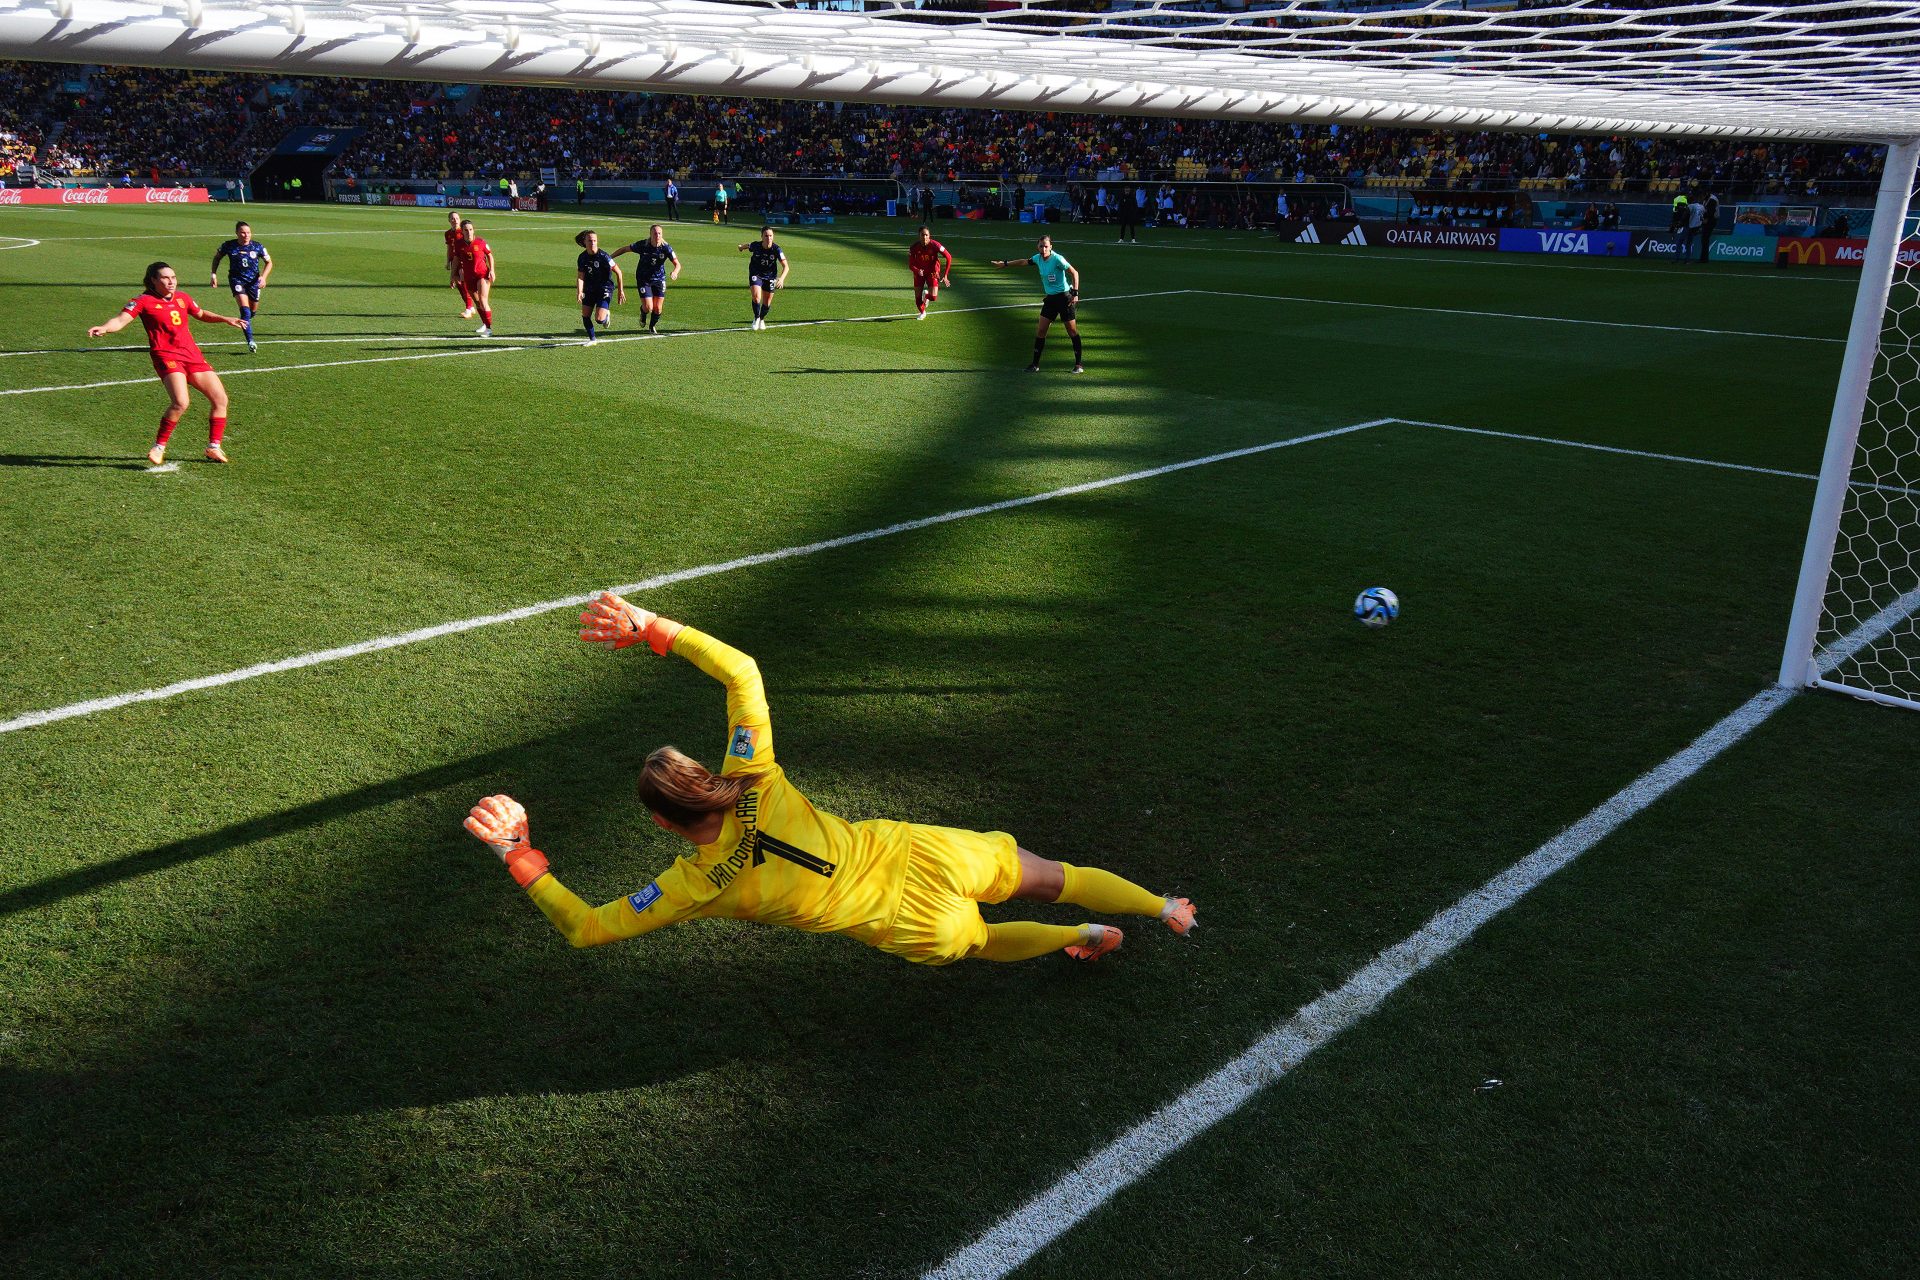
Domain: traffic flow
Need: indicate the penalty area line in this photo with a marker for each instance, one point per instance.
(1016, 1238)
(94, 706)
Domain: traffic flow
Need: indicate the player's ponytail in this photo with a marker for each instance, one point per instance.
(683, 791)
(153, 273)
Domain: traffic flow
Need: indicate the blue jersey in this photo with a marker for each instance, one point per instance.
(763, 260)
(244, 261)
(596, 269)
(1053, 272)
(652, 260)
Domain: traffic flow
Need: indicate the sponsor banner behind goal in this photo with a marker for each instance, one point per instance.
(103, 195)
(1605, 244)
(1420, 236)
(1832, 251)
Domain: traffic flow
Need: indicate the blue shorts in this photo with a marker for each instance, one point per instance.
(761, 282)
(654, 288)
(598, 298)
(244, 288)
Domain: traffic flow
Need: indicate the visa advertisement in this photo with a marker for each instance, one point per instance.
(1601, 244)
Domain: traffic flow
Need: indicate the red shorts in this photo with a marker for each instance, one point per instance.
(924, 280)
(164, 365)
(471, 280)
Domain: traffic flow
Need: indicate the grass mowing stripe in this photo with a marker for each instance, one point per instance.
(1016, 1238)
(94, 706)
(550, 343)
(1518, 315)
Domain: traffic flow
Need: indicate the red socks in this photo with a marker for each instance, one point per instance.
(167, 424)
(486, 317)
(216, 428)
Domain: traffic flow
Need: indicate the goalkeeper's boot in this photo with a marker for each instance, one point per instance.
(1179, 915)
(216, 454)
(1102, 938)
(156, 455)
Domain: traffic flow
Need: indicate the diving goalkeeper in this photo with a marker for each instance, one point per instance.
(762, 852)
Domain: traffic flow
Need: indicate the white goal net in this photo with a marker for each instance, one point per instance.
(1867, 639)
(1726, 68)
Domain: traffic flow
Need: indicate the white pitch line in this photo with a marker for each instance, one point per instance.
(545, 343)
(1643, 453)
(24, 243)
(94, 706)
(1023, 1233)
(1517, 315)
(164, 468)
(288, 342)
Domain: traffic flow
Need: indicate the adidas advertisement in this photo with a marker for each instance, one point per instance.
(1327, 231)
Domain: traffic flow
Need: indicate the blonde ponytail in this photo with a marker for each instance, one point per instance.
(683, 791)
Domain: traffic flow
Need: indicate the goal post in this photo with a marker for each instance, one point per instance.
(1853, 626)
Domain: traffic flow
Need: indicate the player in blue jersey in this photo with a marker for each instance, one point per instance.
(650, 273)
(248, 266)
(597, 279)
(1060, 285)
(766, 271)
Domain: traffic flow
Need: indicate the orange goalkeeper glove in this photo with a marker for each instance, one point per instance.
(611, 621)
(502, 824)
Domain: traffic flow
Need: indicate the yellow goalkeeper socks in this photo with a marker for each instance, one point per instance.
(1025, 939)
(1107, 893)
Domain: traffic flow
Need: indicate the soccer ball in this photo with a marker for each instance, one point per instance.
(1376, 606)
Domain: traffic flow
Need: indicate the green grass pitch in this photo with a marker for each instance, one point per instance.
(266, 1010)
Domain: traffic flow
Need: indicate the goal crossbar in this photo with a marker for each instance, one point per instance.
(1734, 69)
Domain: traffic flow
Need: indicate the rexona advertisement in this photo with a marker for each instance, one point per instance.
(103, 195)
(1416, 236)
(1647, 245)
(1604, 244)
(1740, 249)
(1828, 251)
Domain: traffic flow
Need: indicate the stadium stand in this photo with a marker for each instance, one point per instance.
(90, 121)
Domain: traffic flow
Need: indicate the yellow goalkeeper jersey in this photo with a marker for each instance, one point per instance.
(778, 859)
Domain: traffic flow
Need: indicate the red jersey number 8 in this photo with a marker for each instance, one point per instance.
(174, 317)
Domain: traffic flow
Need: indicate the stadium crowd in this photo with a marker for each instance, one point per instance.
(100, 121)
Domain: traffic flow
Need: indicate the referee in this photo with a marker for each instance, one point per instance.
(1061, 284)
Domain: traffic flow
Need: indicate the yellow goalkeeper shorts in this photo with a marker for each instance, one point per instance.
(949, 874)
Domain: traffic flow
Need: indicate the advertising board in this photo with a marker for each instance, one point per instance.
(1605, 244)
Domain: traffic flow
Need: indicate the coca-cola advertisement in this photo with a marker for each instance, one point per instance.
(103, 195)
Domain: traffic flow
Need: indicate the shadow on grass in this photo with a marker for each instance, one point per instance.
(69, 460)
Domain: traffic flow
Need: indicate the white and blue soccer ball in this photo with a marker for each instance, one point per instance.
(1376, 606)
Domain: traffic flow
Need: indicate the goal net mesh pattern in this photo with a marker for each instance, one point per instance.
(1869, 637)
(1780, 68)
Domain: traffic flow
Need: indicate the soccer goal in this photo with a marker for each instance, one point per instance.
(1856, 613)
(1728, 69)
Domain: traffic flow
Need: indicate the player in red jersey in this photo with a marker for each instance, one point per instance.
(164, 310)
(924, 259)
(476, 269)
(455, 280)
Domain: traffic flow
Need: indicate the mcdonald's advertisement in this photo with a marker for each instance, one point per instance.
(1831, 251)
